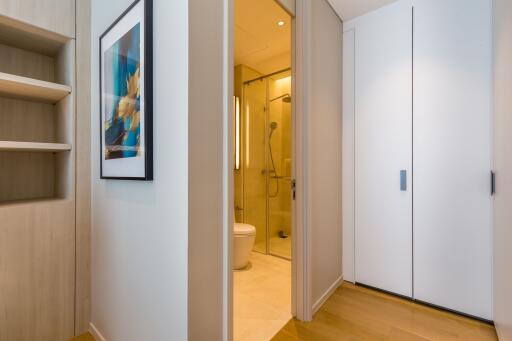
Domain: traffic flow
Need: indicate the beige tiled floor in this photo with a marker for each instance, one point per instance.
(262, 298)
(281, 247)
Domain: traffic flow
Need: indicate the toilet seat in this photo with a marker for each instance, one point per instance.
(244, 230)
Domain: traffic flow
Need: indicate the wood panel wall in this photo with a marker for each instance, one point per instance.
(83, 167)
(53, 15)
(45, 244)
(37, 271)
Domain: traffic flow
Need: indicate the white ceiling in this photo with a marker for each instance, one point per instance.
(350, 9)
(259, 42)
(264, 46)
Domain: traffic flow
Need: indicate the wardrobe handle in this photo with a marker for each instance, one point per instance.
(493, 182)
(403, 180)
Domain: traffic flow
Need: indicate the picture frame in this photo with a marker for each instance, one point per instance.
(126, 95)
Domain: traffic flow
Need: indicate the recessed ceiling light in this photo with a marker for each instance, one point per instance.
(280, 23)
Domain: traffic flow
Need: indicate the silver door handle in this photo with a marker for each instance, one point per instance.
(403, 180)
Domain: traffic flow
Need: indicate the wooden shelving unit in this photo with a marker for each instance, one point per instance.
(37, 114)
(32, 89)
(39, 257)
(16, 146)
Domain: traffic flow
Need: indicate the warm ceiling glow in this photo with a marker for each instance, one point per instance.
(280, 23)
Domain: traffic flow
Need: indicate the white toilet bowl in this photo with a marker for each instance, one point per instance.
(244, 237)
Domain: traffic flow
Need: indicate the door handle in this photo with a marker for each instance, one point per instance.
(403, 180)
(493, 182)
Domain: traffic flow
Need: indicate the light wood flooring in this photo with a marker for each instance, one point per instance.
(357, 313)
(84, 337)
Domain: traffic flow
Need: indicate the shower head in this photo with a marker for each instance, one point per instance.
(273, 125)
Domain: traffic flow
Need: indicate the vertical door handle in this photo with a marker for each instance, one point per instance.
(403, 180)
(493, 183)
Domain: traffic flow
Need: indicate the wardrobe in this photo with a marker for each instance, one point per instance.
(44, 169)
(417, 123)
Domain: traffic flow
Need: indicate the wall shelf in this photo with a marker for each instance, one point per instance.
(15, 146)
(26, 36)
(36, 201)
(32, 89)
(37, 113)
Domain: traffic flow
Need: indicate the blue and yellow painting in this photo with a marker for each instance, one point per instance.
(122, 97)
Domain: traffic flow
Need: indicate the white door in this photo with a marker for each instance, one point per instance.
(383, 152)
(348, 155)
(452, 154)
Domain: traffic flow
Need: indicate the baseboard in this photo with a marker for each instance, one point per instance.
(499, 331)
(95, 332)
(327, 294)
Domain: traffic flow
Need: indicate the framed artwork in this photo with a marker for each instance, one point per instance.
(126, 95)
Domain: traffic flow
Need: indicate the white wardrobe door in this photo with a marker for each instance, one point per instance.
(452, 154)
(348, 154)
(383, 124)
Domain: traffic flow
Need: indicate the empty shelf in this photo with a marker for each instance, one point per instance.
(15, 146)
(34, 89)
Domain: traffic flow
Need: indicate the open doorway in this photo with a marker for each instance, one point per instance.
(263, 181)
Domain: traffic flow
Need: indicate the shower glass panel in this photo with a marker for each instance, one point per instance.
(254, 163)
(267, 165)
(279, 165)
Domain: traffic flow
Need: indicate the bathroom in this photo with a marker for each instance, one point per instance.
(262, 250)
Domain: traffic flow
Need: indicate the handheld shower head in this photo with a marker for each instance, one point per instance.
(286, 98)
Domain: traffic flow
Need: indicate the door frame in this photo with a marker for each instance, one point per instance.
(302, 307)
(301, 246)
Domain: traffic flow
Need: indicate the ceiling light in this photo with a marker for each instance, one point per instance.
(280, 23)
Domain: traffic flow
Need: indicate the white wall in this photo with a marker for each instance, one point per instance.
(139, 229)
(503, 167)
(211, 154)
(324, 149)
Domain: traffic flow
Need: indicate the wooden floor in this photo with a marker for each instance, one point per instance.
(85, 337)
(357, 313)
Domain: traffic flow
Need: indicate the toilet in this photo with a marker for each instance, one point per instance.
(244, 237)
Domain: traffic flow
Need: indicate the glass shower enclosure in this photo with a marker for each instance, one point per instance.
(267, 161)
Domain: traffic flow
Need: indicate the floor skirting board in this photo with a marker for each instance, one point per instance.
(327, 294)
(499, 331)
(94, 331)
